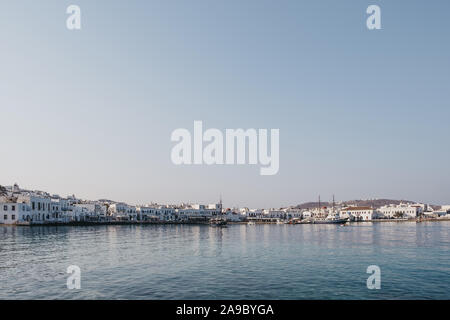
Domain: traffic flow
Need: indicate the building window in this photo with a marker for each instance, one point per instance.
(32, 205)
(13, 208)
(5, 208)
(5, 217)
(13, 217)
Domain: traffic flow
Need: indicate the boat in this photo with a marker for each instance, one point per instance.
(218, 222)
(251, 223)
(303, 221)
(332, 218)
(329, 220)
(279, 221)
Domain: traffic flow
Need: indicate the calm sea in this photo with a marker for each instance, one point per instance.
(238, 262)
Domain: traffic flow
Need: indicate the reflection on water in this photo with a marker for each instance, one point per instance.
(238, 262)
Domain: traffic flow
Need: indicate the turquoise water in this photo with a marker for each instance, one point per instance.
(238, 262)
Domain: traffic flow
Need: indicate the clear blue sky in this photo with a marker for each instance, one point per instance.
(362, 114)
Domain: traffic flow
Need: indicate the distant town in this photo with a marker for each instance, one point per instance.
(20, 206)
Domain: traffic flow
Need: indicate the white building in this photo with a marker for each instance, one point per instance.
(11, 213)
(293, 213)
(232, 215)
(402, 210)
(251, 213)
(274, 214)
(198, 212)
(92, 211)
(147, 213)
(123, 211)
(358, 213)
(40, 208)
(307, 214)
(165, 213)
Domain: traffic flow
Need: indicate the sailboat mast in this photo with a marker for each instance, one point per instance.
(320, 207)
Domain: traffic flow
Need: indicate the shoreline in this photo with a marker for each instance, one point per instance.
(107, 223)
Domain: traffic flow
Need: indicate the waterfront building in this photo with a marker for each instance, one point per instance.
(232, 215)
(251, 213)
(307, 214)
(92, 211)
(274, 214)
(12, 212)
(40, 207)
(402, 210)
(76, 214)
(198, 212)
(166, 213)
(446, 208)
(147, 213)
(292, 213)
(358, 213)
(123, 212)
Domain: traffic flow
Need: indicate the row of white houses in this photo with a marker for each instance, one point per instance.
(36, 209)
(393, 211)
(22, 206)
(125, 212)
(39, 209)
(353, 213)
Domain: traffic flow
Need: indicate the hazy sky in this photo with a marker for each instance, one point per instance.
(362, 114)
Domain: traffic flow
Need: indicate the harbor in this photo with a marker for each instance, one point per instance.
(261, 261)
(23, 207)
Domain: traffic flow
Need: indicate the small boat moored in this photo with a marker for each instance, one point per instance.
(330, 220)
(218, 222)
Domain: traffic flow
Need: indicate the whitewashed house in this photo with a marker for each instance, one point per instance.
(147, 213)
(12, 212)
(123, 211)
(92, 211)
(232, 215)
(251, 213)
(77, 214)
(307, 214)
(165, 213)
(293, 213)
(274, 213)
(358, 213)
(40, 207)
(198, 212)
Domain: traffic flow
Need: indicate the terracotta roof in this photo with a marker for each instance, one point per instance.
(357, 208)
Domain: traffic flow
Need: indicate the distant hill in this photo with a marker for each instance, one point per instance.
(375, 203)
